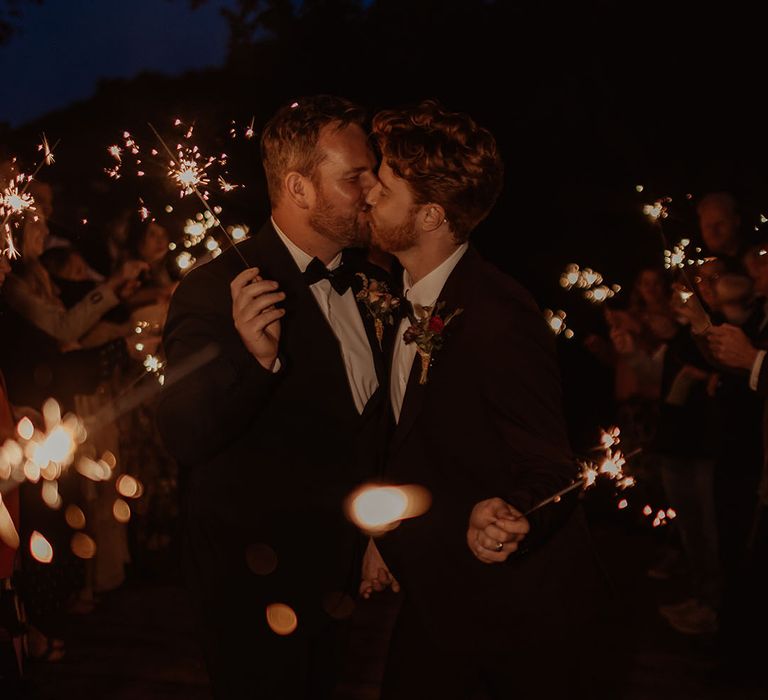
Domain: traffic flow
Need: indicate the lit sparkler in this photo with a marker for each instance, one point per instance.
(15, 201)
(195, 175)
(610, 466)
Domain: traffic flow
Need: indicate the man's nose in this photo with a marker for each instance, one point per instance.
(373, 193)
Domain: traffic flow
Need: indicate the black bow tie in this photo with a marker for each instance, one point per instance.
(340, 278)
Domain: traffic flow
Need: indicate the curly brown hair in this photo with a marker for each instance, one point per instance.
(446, 158)
(289, 138)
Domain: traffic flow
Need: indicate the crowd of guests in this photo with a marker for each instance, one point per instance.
(689, 382)
(69, 311)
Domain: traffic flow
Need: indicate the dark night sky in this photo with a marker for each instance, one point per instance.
(64, 47)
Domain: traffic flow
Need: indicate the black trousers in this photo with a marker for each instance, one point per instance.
(420, 666)
(244, 656)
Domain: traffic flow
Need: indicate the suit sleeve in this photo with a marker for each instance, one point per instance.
(214, 387)
(522, 385)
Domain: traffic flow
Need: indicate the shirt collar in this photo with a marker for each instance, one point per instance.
(426, 291)
(301, 258)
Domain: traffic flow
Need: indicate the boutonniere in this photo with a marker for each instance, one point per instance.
(379, 302)
(427, 331)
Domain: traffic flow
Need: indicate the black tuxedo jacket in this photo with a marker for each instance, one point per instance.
(489, 423)
(269, 456)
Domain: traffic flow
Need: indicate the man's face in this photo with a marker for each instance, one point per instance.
(393, 212)
(757, 267)
(719, 228)
(342, 182)
(706, 279)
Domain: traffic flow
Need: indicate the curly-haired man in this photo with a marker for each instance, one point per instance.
(495, 596)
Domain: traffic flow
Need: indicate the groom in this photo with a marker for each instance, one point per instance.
(269, 430)
(494, 598)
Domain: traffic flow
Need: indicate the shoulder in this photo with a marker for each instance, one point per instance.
(500, 294)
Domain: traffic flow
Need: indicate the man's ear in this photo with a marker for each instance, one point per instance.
(299, 190)
(434, 217)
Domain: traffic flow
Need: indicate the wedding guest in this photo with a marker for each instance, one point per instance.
(30, 291)
(720, 225)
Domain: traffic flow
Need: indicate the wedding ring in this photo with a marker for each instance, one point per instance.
(499, 546)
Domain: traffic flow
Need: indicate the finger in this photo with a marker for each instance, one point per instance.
(244, 278)
(491, 545)
(513, 526)
(256, 306)
(395, 585)
(496, 534)
(251, 292)
(262, 321)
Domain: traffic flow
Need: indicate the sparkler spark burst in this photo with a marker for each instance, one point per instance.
(658, 210)
(556, 322)
(610, 466)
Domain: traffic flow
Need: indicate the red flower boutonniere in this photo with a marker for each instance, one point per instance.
(427, 331)
(379, 302)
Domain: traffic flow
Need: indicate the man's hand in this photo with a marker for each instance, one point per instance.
(495, 528)
(257, 320)
(376, 575)
(731, 347)
(623, 341)
(687, 305)
(126, 281)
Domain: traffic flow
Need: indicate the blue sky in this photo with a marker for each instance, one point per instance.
(65, 46)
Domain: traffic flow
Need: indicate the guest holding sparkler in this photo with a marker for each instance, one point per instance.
(493, 598)
(272, 429)
(29, 289)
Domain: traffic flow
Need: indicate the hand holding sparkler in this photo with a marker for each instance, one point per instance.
(495, 529)
(256, 317)
(687, 304)
(731, 347)
(126, 279)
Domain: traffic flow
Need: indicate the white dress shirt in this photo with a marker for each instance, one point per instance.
(423, 293)
(343, 317)
(754, 375)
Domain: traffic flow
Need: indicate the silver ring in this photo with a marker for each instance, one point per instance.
(499, 546)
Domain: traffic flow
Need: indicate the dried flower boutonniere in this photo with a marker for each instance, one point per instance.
(379, 302)
(426, 330)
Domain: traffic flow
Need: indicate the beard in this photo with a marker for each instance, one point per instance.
(350, 229)
(394, 238)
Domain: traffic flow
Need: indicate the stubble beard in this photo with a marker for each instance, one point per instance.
(348, 231)
(398, 237)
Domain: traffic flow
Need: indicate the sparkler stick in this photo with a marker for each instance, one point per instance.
(192, 186)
